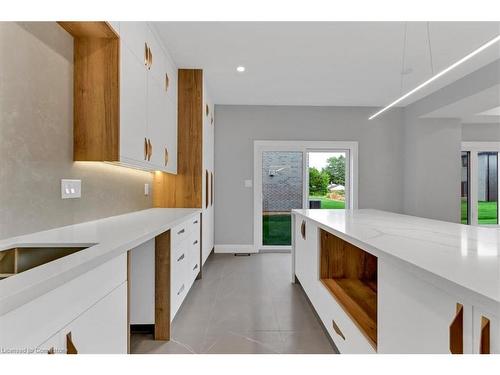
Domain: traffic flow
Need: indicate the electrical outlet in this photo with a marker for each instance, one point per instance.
(71, 189)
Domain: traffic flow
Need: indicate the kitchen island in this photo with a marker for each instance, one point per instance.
(388, 283)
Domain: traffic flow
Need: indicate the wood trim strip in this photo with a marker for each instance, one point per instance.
(162, 286)
(484, 341)
(70, 346)
(457, 331)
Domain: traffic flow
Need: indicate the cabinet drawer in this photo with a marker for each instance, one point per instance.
(343, 331)
(195, 225)
(179, 233)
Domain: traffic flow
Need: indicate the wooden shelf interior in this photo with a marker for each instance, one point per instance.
(350, 274)
(96, 105)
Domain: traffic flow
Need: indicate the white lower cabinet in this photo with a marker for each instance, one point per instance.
(486, 332)
(93, 306)
(100, 329)
(414, 316)
(185, 263)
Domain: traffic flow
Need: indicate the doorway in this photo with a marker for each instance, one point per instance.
(293, 175)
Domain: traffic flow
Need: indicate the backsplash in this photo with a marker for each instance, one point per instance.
(36, 139)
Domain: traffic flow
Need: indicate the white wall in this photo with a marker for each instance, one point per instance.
(380, 156)
(481, 132)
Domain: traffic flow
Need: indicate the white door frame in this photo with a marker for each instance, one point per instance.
(474, 148)
(300, 146)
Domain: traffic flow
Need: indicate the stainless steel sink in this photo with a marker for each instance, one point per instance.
(20, 259)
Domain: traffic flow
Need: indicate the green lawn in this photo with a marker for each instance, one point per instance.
(277, 230)
(327, 203)
(487, 212)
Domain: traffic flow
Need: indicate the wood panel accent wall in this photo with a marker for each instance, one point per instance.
(184, 190)
(96, 91)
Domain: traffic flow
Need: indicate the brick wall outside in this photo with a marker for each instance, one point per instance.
(283, 191)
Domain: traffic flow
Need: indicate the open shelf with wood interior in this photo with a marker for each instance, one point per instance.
(350, 274)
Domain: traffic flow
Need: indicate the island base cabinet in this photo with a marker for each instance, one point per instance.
(416, 317)
(486, 332)
(100, 329)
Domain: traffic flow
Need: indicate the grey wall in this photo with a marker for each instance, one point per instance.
(481, 132)
(36, 121)
(380, 156)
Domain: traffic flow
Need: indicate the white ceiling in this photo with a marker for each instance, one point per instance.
(324, 63)
(482, 107)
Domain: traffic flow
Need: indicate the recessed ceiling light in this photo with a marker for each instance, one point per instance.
(240, 69)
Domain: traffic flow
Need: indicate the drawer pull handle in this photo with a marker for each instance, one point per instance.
(70, 346)
(181, 258)
(195, 242)
(337, 330)
(195, 222)
(303, 229)
(484, 347)
(181, 231)
(195, 267)
(457, 331)
(181, 289)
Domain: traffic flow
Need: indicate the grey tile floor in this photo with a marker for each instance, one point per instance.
(243, 305)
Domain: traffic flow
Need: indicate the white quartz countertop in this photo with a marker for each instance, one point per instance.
(464, 255)
(108, 238)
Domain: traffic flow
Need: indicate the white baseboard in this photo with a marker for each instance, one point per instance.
(232, 249)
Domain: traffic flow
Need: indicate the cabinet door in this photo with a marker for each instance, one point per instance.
(134, 35)
(415, 316)
(306, 254)
(486, 332)
(157, 123)
(102, 329)
(133, 94)
(157, 68)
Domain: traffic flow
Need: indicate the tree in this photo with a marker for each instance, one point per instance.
(336, 170)
(318, 182)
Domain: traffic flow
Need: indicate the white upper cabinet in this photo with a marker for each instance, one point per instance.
(133, 115)
(148, 100)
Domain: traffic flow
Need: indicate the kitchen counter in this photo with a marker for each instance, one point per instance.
(463, 255)
(106, 238)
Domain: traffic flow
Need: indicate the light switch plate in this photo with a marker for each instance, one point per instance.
(71, 189)
(248, 183)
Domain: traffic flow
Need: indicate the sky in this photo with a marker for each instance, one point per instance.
(318, 159)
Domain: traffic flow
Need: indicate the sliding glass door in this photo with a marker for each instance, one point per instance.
(292, 175)
(480, 187)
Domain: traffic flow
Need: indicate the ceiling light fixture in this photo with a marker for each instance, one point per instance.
(240, 69)
(436, 76)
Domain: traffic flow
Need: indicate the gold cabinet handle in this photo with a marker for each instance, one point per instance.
(167, 81)
(457, 331)
(166, 156)
(484, 341)
(146, 149)
(150, 147)
(150, 58)
(70, 346)
(337, 330)
(146, 54)
(303, 229)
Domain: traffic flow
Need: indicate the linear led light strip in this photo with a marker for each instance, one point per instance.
(441, 73)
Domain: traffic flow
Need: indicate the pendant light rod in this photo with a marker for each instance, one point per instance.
(436, 76)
